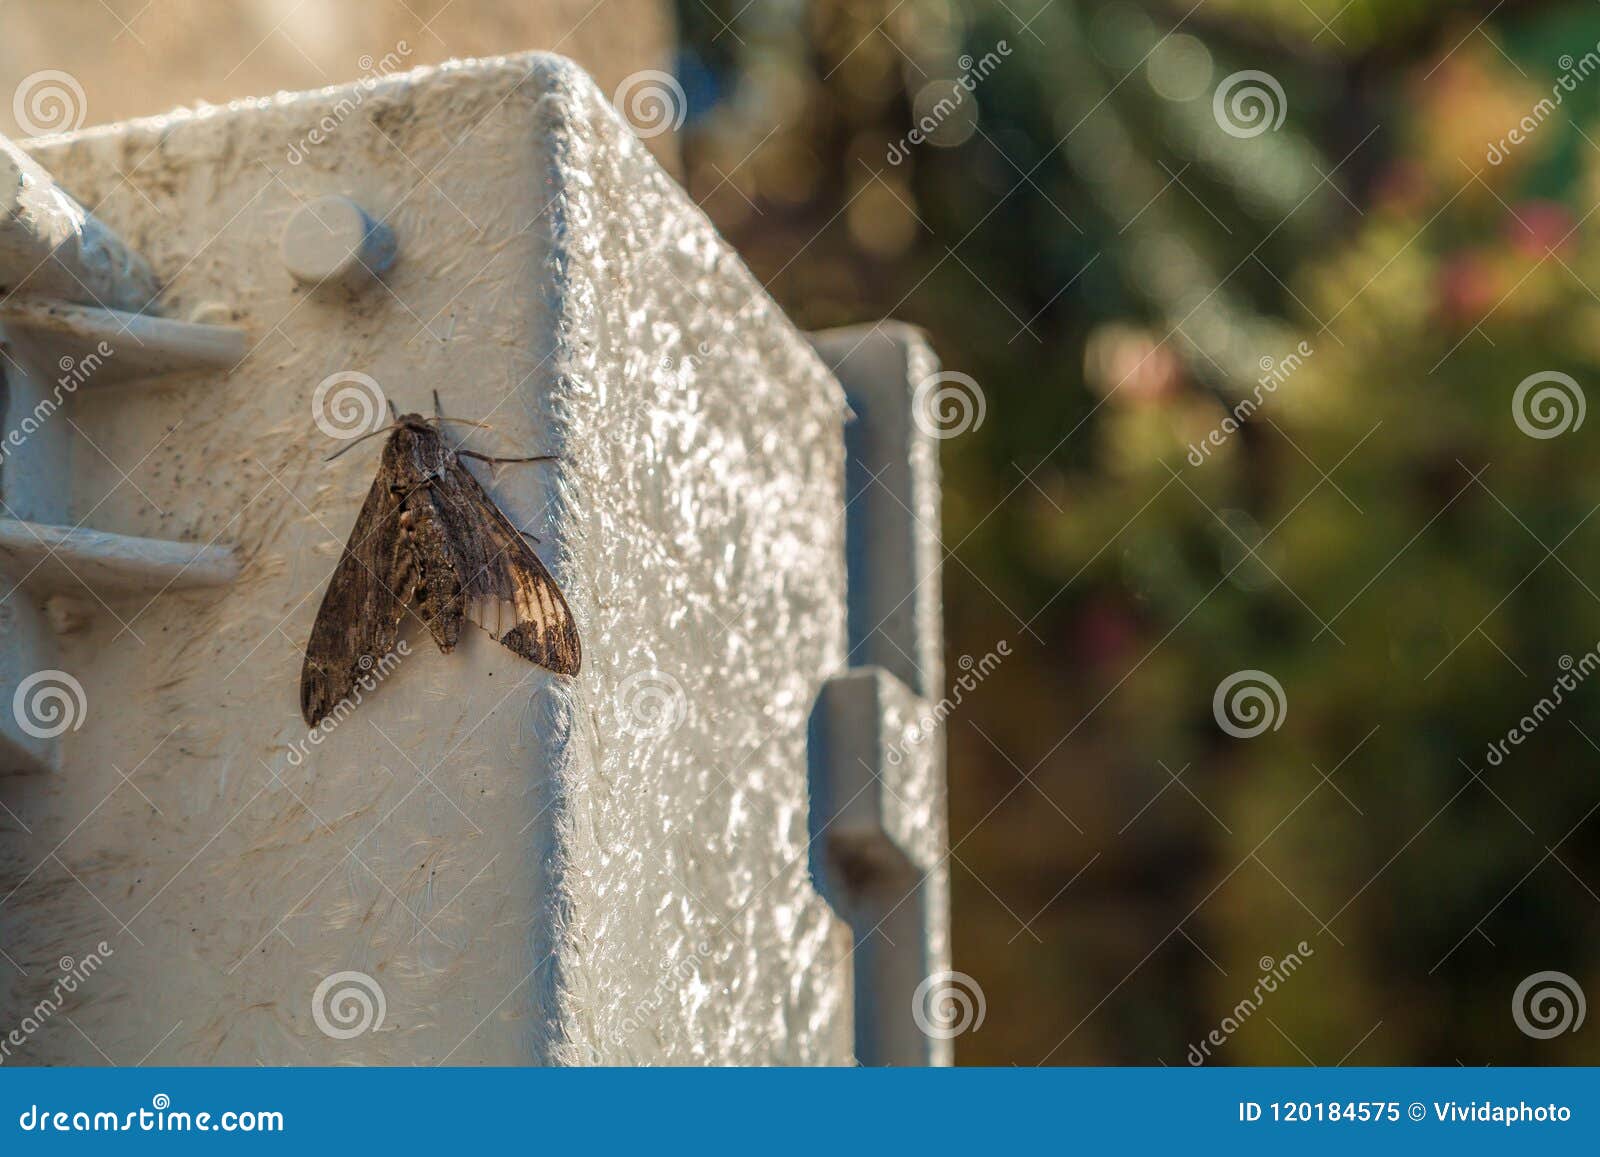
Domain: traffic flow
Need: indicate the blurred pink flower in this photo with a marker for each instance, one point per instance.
(1467, 287)
(1536, 227)
(1106, 632)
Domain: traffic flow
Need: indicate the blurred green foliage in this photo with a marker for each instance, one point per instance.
(1380, 536)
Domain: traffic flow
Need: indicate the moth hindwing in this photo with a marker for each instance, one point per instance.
(432, 546)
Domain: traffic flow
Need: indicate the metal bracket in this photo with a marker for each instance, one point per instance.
(55, 256)
(877, 767)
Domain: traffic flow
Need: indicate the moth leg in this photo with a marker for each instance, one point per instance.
(394, 412)
(438, 410)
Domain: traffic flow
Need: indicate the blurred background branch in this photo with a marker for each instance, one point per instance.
(1118, 271)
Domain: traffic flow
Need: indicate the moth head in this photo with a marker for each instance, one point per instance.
(405, 427)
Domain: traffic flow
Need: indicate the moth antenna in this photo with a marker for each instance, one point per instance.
(438, 409)
(394, 413)
(358, 441)
(456, 443)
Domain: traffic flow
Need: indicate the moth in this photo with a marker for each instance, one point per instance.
(431, 544)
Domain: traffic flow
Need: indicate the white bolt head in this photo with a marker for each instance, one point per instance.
(331, 239)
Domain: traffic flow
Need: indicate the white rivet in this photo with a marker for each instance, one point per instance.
(332, 239)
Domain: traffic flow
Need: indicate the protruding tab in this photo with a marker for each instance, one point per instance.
(332, 239)
(92, 346)
(62, 558)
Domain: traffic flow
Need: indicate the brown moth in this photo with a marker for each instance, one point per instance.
(430, 543)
